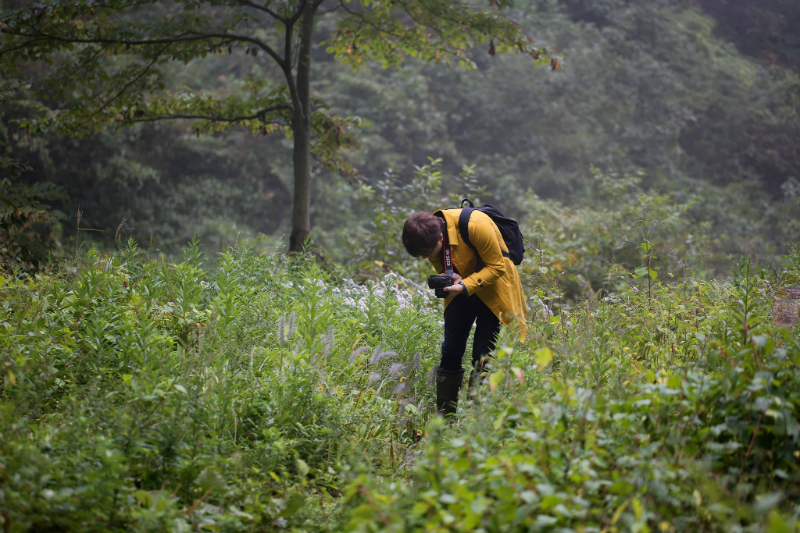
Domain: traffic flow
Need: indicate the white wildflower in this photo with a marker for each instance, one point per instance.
(282, 330)
(396, 369)
(329, 341)
(356, 354)
(432, 375)
(388, 355)
(376, 355)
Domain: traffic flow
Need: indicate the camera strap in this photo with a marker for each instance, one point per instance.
(447, 253)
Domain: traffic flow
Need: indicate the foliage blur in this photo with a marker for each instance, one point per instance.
(28, 224)
(260, 392)
(697, 100)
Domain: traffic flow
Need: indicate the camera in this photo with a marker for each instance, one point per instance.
(438, 283)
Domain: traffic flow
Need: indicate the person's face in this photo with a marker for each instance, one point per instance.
(436, 251)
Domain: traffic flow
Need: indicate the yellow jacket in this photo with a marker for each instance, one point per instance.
(497, 284)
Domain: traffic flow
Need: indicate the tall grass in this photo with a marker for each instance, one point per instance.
(256, 392)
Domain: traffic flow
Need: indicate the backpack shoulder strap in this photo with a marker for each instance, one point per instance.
(463, 229)
(463, 225)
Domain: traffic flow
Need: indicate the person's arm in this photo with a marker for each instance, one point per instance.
(483, 236)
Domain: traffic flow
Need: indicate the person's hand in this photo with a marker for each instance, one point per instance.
(456, 277)
(456, 288)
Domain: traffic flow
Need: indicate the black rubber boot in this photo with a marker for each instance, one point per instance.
(448, 383)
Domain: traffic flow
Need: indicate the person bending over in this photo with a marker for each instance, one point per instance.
(486, 291)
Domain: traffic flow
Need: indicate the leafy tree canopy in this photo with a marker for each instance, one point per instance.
(108, 60)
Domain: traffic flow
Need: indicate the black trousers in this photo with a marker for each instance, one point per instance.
(459, 316)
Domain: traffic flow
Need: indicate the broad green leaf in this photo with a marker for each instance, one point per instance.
(543, 357)
(495, 379)
(293, 504)
(302, 467)
(210, 480)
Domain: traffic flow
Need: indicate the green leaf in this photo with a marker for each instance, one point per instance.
(674, 382)
(210, 480)
(550, 501)
(143, 497)
(495, 380)
(302, 467)
(294, 504)
(462, 464)
(778, 524)
(543, 357)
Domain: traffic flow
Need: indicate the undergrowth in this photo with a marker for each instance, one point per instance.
(257, 392)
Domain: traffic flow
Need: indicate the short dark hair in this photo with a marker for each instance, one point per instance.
(421, 233)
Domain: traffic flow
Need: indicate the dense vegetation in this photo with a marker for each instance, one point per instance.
(224, 385)
(701, 97)
(254, 392)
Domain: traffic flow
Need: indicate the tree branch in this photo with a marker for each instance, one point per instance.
(61, 80)
(261, 114)
(21, 46)
(144, 42)
(130, 83)
(364, 19)
(288, 63)
(321, 13)
(299, 12)
(287, 45)
(265, 9)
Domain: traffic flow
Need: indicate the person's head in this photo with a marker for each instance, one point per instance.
(422, 234)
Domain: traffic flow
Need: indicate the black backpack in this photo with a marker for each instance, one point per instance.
(509, 229)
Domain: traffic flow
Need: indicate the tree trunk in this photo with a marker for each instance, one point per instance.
(301, 204)
(301, 125)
